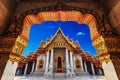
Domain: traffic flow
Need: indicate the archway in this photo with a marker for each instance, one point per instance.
(41, 63)
(101, 32)
(59, 65)
(77, 62)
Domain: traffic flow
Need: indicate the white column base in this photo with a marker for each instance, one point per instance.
(109, 71)
(48, 74)
(9, 72)
(70, 74)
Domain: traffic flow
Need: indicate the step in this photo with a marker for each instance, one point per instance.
(59, 74)
(37, 73)
(81, 73)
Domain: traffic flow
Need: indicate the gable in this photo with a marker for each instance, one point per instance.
(59, 40)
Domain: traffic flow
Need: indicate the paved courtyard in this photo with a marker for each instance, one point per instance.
(75, 78)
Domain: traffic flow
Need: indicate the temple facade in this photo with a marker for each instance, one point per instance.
(59, 56)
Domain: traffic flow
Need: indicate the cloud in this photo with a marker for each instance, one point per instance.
(80, 33)
(51, 26)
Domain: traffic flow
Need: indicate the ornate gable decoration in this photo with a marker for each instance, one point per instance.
(59, 40)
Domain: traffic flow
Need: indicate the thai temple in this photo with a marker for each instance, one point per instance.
(59, 56)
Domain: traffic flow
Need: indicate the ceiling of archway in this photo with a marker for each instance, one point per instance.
(63, 16)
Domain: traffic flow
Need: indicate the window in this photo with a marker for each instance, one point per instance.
(78, 63)
(41, 62)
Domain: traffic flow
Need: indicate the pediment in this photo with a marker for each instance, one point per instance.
(59, 40)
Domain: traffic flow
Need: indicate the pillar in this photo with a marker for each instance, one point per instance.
(8, 66)
(25, 71)
(109, 71)
(92, 66)
(51, 63)
(81, 62)
(33, 65)
(47, 62)
(74, 66)
(18, 72)
(85, 66)
(9, 72)
(67, 64)
(44, 62)
(71, 62)
(3, 62)
(100, 72)
(112, 69)
(37, 62)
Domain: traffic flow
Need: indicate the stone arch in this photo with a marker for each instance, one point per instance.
(20, 26)
(78, 17)
(106, 40)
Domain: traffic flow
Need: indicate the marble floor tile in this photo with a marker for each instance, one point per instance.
(60, 78)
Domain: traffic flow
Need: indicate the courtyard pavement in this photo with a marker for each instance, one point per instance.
(60, 78)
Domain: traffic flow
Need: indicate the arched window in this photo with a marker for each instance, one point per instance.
(59, 62)
(41, 62)
(78, 64)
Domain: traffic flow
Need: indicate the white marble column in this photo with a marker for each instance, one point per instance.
(67, 64)
(51, 63)
(47, 62)
(37, 63)
(33, 65)
(100, 71)
(9, 72)
(81, 62)
(25, 71)
(44, 66)
(18, 72)
(85, 66)
(71, 62)
(74, 63)
(111, 71)
(92, 66)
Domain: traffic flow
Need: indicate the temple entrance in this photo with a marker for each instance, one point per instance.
(59, 63)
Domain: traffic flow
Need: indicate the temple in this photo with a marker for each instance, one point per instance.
(59, 56)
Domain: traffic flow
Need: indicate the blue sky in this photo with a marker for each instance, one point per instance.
(75, 31)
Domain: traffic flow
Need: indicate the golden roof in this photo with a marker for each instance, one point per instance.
(52, 38)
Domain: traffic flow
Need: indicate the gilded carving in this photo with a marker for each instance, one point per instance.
(19, 46)
(100, 45)
(105, 58)
(105, 45)
(59, 40)
(78, 66)
(58, 57)
(41, 64)
(14, 58)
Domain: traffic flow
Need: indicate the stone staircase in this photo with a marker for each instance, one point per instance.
(81, 73)
(37, 73)
(56, 75)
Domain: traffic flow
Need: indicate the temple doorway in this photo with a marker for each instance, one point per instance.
(59, 63)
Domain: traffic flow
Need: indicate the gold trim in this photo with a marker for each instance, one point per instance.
(56, 62)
